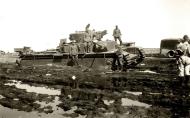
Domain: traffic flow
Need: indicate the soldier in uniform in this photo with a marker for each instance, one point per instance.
(118, 59)
(183, 63)
(185, 44)
(74, 52)
(88, 43)
(87, 28)
(117, 34)
(88, 39)
(179, 44)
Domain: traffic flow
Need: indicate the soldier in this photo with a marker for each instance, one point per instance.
(179, 44)
(88, 43)
(117, 34)
(74, 52)
(91, 33)
(119, 58)
(183, 63)
(185, 44)
(87, 28)
(88, 39)
(186, 39)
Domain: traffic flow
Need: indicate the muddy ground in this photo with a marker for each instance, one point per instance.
(52, 90)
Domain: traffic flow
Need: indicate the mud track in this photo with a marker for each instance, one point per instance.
(92, 93)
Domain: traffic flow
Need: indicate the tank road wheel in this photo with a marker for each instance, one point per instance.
(132, 62)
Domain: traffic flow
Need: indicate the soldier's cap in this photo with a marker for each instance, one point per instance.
(185, 37)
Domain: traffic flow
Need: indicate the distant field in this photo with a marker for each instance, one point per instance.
(152, 51)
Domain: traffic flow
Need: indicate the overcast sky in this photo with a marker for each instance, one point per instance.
(40, 24)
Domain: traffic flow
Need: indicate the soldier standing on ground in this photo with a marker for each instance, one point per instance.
(183, 63)
(185, 44)
(118, 59)
(117, 34)
(179, 44)
(74, 53)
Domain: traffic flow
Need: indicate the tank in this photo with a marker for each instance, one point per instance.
(93, 51)
(82, 37)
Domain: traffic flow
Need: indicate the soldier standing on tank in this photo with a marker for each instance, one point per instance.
(87, 28)
(88, 43)
(74, 53)
(117, 34)
(88, 39)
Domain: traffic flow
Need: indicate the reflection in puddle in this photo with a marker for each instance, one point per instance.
(134, 93)
(57, 112)
(40, 90)
(53, 104)
(129, 102)
(108, 102)
(55, 108)
(13, 113)
(149, 71)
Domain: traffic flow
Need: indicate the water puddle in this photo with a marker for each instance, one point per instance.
(56, 111)
(13, 113)
(155, 93)
(129, 102)
(149, 71)
(28, 88)
(108, 102)
(134, 93)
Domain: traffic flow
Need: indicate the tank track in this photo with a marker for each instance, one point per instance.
(132, 62)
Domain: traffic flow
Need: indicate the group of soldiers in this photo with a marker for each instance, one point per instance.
(88, 42)
(183, 60)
